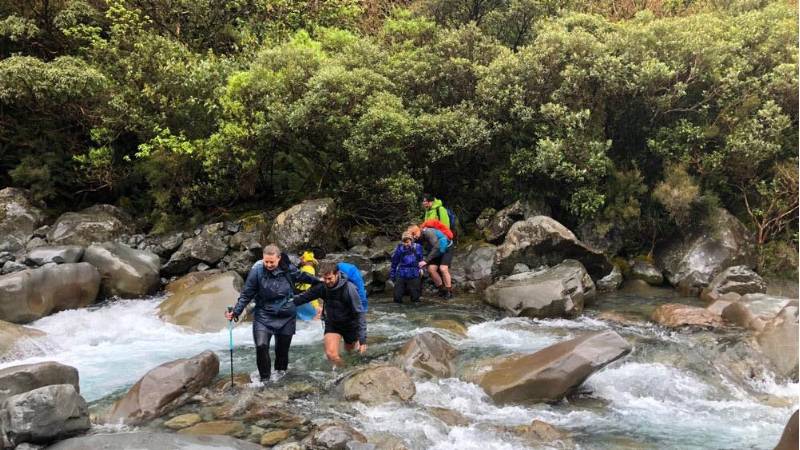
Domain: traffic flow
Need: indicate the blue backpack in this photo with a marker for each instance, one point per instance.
(451, 216)
(354, 275)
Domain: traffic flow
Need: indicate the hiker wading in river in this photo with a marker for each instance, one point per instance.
(342, 312)
(271, 284)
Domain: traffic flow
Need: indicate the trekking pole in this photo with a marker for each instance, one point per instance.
(230, 339)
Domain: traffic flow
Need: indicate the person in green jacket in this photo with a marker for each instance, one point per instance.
(434, 209)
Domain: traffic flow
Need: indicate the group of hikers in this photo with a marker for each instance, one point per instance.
(281, 290)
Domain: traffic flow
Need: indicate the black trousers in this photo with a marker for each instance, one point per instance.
(282, 344)
(407, 286)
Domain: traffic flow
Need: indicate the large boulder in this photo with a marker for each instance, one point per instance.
(60, 254)
(765, 306)
(18, 219)
(473, 265)
(691, 261)
(209, 247)
(675, 315)
(305, 225)
(559, 291)
(790, 434)
(189, 280)
(650, 274)
(34, 293)
(541, 240)
(378, 384)
(98, 223)
(144, 440)
(27, 377)
(428, 355)
(497, 227)
(200, 307)
(611, 281)
(553, 372)
(126, 272)
(44, 414)
(737, 314)
(165, 388)
(16, 340)
(778, 341)
(739, 279)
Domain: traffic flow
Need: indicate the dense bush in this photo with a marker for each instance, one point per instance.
(620, 117)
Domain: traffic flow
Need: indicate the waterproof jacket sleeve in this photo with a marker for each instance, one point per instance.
(316, 291)
(248, 292)
(355, 300)
(397, 256)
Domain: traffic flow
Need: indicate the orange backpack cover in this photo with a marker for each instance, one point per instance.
(434, 223)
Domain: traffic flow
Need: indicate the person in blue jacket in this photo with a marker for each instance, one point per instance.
(270, 284)
(405, 271)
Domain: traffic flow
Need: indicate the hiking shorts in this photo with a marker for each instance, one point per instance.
(349, 332)
(444, 259)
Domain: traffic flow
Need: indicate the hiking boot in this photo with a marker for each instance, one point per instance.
(448, 294)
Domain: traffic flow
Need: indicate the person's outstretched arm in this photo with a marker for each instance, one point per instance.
(314, 292)
(248, 292)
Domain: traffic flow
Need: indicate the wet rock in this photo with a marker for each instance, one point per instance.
(34, 243)
(619, 318)
(125, 272)
(556, 292)
(165, 388)
(641, 270)
(34, 293)
(189, 280)
(378, 384)
(675, 315)
(539, 433)
(386, 441)
(248, 241)
(380, 248)
(18, 218)
(520, 268)
(27, 377)
(200, 307)
(475, 264)
(737, 279)
(363, 263)
(789, 438)
(240, 262)
(164, 245)
(143, 440)
(690, 262)
(208, 247)
(611, 281)
(216, 428)
(427, 355)
(335, 436)
(358, 235)
(305, 225)
(497, 227)
(450, 325)
(13, 267)
(99, 223)
(540, 241)
(449, 417)
(738, 314)
(274, 437)
(183, 421)
(59, 255)
(553, 372)
(44, 414)
(16, 339)
(6, 257)
(764, 306)
(778, 341)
